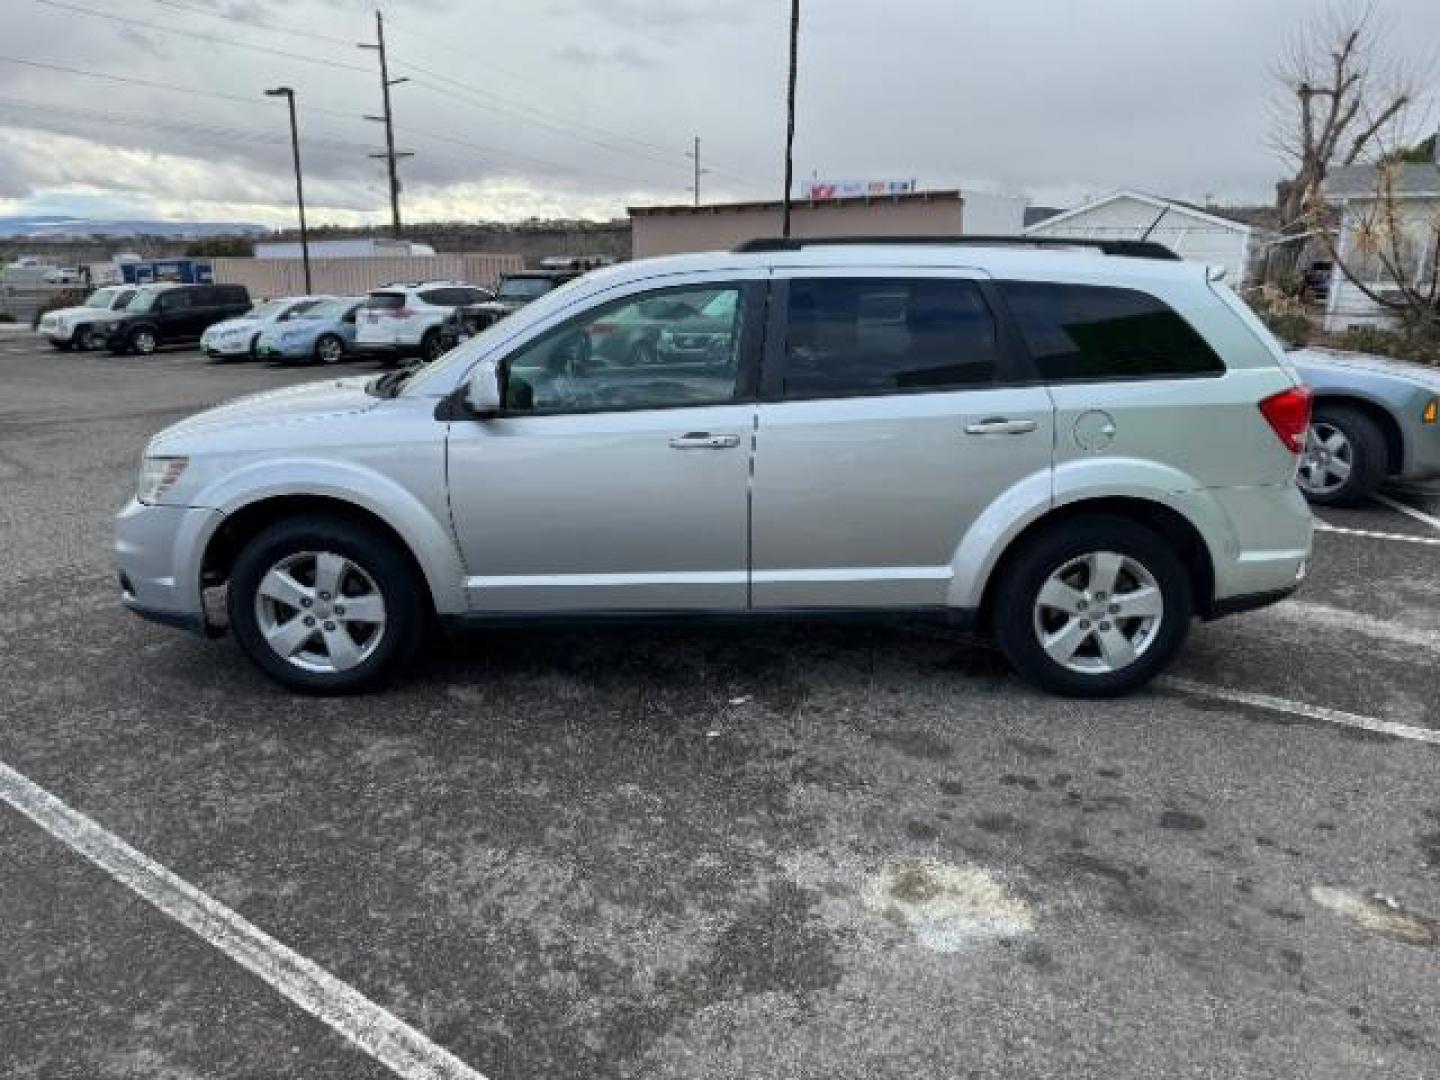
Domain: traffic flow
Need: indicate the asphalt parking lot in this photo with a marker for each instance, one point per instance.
(786, 852)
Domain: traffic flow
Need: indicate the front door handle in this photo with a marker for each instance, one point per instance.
(999, 425)
(703, 440)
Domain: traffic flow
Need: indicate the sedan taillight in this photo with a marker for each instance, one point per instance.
(1289, 414)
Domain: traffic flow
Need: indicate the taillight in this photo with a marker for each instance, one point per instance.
(1289, 414)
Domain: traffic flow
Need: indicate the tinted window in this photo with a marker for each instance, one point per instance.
(1079, 332)
(384, 301)
(231, 294)
(450, 297)
(654, 351)
(887, 335)
(524, 288)
(174, 300)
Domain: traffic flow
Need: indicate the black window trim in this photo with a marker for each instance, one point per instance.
(455, 407)
(998, 288)
(1013, 364)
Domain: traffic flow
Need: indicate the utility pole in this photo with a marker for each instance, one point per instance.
(289, 95)
(695, 156)
(390, 155)
(790, 115)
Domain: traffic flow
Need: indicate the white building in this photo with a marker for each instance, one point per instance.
(1365, 236)
(1191, 232)
(360, 248)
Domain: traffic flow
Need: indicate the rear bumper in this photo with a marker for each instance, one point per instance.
(385, 348)
(1262, 544)
(1238, 605)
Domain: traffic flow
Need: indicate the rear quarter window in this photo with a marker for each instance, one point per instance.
(387, 301)
(1087, 333)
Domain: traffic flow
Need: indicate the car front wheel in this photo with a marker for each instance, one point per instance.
(1093, 608)
(325, 605)
(329, 349)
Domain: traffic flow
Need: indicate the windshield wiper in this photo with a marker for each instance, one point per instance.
(389, 384)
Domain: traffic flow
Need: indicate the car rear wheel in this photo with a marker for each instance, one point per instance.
(144, 341)
(1093, 608)
(324, 605)
(1345, 457)
(329, 349)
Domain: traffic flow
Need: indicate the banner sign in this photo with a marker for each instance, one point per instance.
(854, 189)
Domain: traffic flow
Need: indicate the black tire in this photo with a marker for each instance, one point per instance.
(328, 343)
(431, 347)
(62, 346)
(255, 347)
(143, 341)
(405, 601)
(1027, 571)
(1369, 456)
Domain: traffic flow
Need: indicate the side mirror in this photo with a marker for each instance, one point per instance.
(483, 393)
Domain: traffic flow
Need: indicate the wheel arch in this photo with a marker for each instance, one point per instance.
(1177, 529)
(436, 568)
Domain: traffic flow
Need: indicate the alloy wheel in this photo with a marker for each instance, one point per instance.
(144, 342)
(1328, 460)
(330, 350)
(1098, 613)
(320, 611)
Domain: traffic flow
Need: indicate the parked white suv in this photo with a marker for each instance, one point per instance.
(404, 320)
(83, 327)
(1074, 449)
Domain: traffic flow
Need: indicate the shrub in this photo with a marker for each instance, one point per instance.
(1419, 342)
(1283, 313)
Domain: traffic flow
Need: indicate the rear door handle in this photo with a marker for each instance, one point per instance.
(703, 440)
(999, 425)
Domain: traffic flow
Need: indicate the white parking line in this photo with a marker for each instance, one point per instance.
(1300, 708)
(1326, 527)
(1408, 511)
(385, 1037)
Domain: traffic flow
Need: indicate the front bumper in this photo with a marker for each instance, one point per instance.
(1422, 462)
(225, 347)
(158, 551)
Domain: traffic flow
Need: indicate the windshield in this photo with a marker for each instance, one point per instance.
(101, 298)
(143, 300)
(273, 309)
(524, 288)
(330, 309)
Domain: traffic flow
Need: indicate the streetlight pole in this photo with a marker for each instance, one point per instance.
(790, 116)
(289, 95)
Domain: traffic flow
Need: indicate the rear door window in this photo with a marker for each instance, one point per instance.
(870, 336)
(1087, 333)
(387, 301)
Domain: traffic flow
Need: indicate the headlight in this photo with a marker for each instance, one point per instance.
(157, 476)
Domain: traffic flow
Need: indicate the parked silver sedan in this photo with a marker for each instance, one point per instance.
(1373, 418)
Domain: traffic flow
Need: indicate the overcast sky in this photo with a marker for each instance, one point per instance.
(551, 108)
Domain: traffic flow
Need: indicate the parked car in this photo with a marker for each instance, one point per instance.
(398, 321)
(64, 275)
(160, 315)
(704, 338)
(324, 334)
(241, 336)
(1017, 440)
(515, 291)
(1374, 418)
(83, 327)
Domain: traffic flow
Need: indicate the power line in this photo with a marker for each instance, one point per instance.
(212, 38)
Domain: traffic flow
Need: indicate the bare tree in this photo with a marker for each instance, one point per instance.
(1340, 91)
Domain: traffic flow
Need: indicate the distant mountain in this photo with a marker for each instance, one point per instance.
(57, 227)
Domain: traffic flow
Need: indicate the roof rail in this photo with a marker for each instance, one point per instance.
(1133, 249)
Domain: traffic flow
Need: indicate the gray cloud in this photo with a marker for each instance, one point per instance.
(585, 105)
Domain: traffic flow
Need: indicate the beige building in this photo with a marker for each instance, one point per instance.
(667, 230)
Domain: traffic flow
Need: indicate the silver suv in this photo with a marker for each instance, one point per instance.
(1077, 449)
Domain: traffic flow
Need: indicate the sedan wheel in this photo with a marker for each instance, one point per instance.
(320, 612)
(1098, 613)
(330, 350)
(1328, 461)
(143, 342)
